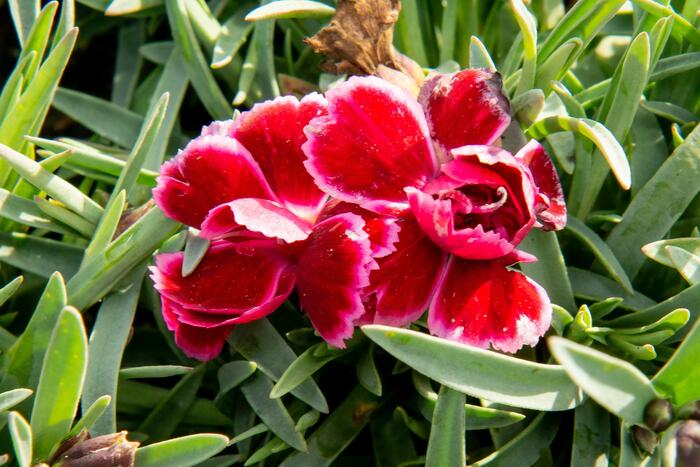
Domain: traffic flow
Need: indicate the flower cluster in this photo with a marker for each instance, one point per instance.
(374, 205)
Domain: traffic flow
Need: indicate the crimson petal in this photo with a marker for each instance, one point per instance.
(211, 170)
(332, 269)
(197, 342)
(231, 278)
(273, 132)
(481, 303)
(463, 108)
(549, 205)
(256, 215)
(401, 288)
(373, 143)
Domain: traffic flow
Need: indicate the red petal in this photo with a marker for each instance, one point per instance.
(465, 108)
(332, 270)
(373, 143)
(481, 303)
(210, 171)
(383, 230)
(406, 279)
(231, 278)
(201, 343)
(273, 133)
(256, 215)
(550, 205)
(488, 235)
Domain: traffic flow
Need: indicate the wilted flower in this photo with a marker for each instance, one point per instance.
(462, 205)
(108, 450)
(658, 415)
(688, 444)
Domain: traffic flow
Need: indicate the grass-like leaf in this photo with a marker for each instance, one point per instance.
(60, 383)
(478, 372)
(678, 378)
(21, 434)
(446, 444)
(613, 383)
(290, 9)
(187, 450)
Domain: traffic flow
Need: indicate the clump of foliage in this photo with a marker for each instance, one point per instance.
(609, 87)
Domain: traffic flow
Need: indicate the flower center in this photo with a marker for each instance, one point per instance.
(474, 205)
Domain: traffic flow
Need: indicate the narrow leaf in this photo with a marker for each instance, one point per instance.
(446, 445)
(187, 450)
(290, 9)
(21, 434)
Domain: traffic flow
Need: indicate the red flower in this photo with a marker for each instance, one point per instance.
(462, 207)
(243, 184)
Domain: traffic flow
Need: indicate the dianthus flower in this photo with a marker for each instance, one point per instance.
(461, 203)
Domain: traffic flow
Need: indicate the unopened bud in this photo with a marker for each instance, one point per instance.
(688, 444)
(658, 415)
(691, 410)
(646, 440)
(113, 450)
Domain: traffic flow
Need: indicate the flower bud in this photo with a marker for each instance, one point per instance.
(691, 410)
(113, 450)
(646, 440)
(658, 415)
(688, 444)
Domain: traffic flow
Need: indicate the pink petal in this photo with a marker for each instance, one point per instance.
(231, 278)
(197, 342)
(210, 171)
(465, 108)
(373, 143)
(449, 211)
(273, 133)
(256, 215)
(332, 270)
(550, 205)
(481, 303)
(401, 288)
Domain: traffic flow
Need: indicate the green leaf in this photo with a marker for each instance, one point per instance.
(187, 450)
(195, 249)
(687, 264)
(234, 33)
(448, 29)
(127, 7)
(479, 56)
(271, 411)
(104, 232)
(99, 275)
(601, 251)
(290, 9)
(9, 399)
(670, 111)
(594, 132)
(31, 108)
(337, 431)
(584, 21)
(591, 435)
(21, 434)
(155, 371)
(254, 431)
(658, 251)
(682, 29)
(260, 343)
(9, 289)
(56, 211)
(678, 378)
(613, 383)
(302, 369)
(231, 374)
(147, 137)
(107, 342)
(38, 38)
(198, 70)
(66, 22)
(591, 286)
(131, 37)
(367, 373)
(556, 66)
(478, 372)
(658, 204)
(39, 255)
(24, 12)
(528, 27)
(90, 416)
(550, 271)
(109, 120)
(60, 383)
(167, 415)
(527, 446)
(446, 445)
(52, 184)
(25, 212)
(25, 358)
